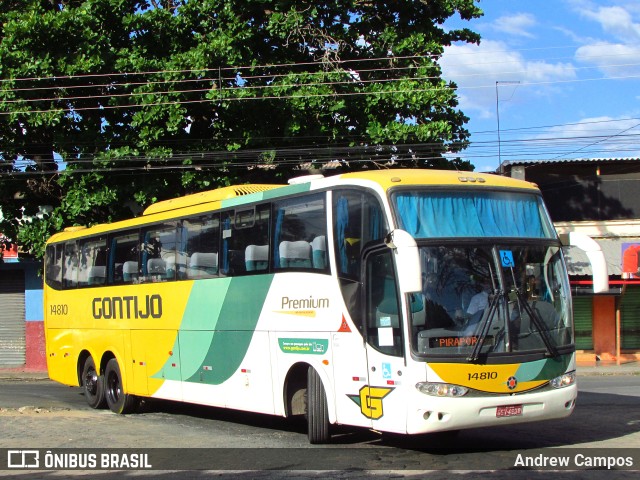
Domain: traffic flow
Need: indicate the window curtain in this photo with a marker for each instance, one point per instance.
(111, 260)
(342, 222)
(226, 230)
(277, 234)
(375, 222)
(470, 215)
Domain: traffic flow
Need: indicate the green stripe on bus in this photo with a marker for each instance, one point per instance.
(234, 327)
(543, 369)
(199, 322)
(266, 195)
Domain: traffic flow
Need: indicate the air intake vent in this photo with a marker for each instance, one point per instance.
(209, 196)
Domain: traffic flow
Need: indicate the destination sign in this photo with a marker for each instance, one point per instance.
(455, 342)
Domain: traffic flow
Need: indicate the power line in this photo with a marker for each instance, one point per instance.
(214, 81)
(598, 141)
(285, 97)
(244, 78)
(293, 156)
(523, 146)
(305, 64)
(224, 89)
(229, 99)
(219, 69)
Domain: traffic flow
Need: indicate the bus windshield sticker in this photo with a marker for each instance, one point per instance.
(385, 337)
(506, 257)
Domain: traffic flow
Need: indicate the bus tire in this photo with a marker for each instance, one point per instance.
(317, 411)
(93, 385)
(117, 400)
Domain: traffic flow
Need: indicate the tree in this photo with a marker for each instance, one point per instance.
(105, 100)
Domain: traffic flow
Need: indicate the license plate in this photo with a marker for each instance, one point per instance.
(509, 411)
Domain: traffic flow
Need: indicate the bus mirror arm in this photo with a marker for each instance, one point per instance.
(407, 260)
(399, 238)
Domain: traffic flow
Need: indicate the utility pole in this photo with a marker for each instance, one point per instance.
(498, 83)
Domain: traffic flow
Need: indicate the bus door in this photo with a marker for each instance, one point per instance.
(383, 401)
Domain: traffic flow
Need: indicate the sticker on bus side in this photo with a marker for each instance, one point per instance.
(308, 346)
(370, 400)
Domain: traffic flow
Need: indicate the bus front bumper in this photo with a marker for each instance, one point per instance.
(434, 414)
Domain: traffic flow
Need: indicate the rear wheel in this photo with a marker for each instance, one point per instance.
(118, 401)
(317, 411)
(93, 385)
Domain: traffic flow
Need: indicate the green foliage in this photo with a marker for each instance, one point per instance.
(105, 104)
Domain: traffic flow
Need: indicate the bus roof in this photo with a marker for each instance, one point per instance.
(209, 196)
(386, 179)
(396, 177)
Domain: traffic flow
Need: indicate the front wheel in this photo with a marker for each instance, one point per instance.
(93, 385)
(117, 400)
(317, 411)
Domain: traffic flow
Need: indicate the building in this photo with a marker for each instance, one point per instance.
(21, 315)
(599, 198)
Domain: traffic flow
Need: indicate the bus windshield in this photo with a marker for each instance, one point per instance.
(490, 299)
(472, 213)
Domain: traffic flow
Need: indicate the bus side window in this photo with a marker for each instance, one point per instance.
(70, 266)
(358, 219)
(54, 265)
(198, 247)
(300, 232)
(158, 256)
(384, 331)
(123, 258)
(245, 241)
(93, 262)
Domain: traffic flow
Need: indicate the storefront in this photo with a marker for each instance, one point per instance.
(21, 315)
(607, 324)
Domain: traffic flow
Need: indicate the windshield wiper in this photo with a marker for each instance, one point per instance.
(485, 325)
(533, 315)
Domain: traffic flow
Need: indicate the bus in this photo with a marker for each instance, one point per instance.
(401, 300)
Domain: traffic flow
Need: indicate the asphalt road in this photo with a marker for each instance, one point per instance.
(40, 414)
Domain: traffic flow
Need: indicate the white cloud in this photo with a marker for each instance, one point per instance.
(477, 68)
(616, 21)
(612, 59)
(619, 54)
(517, 24)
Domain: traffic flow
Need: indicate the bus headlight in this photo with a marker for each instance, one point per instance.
(441, 389)
(564, 380)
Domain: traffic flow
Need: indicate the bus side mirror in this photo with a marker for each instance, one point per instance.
(407, 260)
(596, 258)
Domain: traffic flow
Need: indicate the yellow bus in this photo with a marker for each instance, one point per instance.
(407, 301)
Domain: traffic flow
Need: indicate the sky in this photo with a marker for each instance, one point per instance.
(550, 80)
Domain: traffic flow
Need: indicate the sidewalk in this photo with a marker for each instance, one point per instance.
(602, 368)
(610, 368)
(22, 374)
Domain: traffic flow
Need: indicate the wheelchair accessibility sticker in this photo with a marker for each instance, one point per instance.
(386, 371)
(506, 257)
